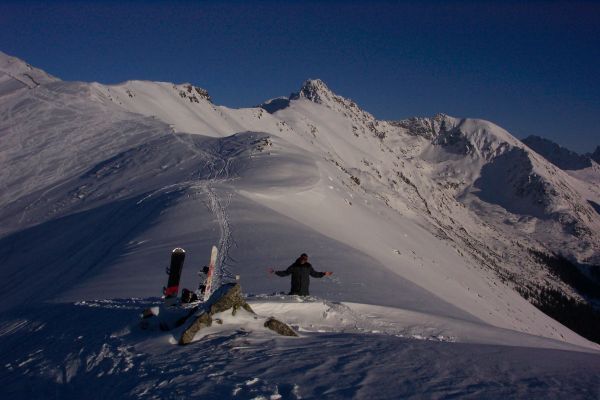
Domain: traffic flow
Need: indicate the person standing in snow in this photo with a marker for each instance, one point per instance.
(301, 271)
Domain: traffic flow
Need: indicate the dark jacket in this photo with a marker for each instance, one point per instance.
(301, 274)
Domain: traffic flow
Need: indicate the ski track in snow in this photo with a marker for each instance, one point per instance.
(219, 168)
(216, 206)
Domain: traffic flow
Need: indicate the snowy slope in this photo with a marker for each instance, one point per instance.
(584, 168)
(101, 182)
(18, 75)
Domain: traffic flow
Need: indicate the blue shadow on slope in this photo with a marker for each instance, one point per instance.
(508, 181)
(71, 351)
(43, 261)
(274, 105)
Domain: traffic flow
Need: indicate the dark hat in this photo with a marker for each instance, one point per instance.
(304, 255)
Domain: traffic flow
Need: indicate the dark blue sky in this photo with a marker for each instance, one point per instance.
(532, 68)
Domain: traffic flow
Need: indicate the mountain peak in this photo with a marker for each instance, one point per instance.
(314, 90)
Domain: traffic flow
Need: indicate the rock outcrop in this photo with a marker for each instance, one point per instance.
(279, 327)
(227, 297)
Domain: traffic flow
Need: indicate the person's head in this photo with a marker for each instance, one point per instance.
(303, 258)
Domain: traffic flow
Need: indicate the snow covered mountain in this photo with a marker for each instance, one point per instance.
(584, 168)
(436, 228)
(561, 157)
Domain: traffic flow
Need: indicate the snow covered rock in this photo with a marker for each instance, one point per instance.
(279, 327)
(226, 300)
(203, 320)
(314, 90)
(228, 296)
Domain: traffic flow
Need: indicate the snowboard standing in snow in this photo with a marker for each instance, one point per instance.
(172, 289)
(210, 274)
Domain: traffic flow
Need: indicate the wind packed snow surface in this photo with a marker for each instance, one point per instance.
(100, 183)
(344, 351)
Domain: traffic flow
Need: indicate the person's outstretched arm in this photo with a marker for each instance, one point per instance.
(281, 273)
(317, 274)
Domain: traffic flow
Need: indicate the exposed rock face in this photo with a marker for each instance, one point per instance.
(279, 327)
(192, 93)
(203, 321)
(314, 90)
(227, 297)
